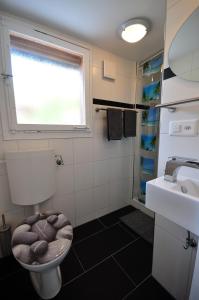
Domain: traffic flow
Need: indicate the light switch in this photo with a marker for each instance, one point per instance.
(175, 127)
(184, 128)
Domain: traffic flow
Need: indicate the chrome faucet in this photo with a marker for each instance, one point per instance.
(173, 165)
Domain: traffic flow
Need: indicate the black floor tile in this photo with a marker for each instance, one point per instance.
(96, 248)
(129, 230)
(136, 260)
(8, 265)
(87, 229)
(104, 282)
(70, 267)
(150, 289)
(18, 286)
(113, 217)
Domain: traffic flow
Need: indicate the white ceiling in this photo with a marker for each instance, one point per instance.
(97, 21)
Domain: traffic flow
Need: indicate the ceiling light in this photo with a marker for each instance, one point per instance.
(134, 30)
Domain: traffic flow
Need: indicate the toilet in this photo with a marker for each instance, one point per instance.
(41, 241)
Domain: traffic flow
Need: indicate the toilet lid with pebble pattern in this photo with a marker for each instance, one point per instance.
(42, 238)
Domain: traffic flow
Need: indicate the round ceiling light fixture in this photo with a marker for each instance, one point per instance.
(134, 30)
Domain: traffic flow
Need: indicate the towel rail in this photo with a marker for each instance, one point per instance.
(134, 109)
(170, 105)
(105, 109)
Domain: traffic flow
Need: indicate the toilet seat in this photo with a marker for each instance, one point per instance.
(41, 239)
(42, 267)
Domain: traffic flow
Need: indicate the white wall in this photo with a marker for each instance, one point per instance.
(97, 175)
(174, 89)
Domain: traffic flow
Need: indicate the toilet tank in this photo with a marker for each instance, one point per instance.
(31, 176)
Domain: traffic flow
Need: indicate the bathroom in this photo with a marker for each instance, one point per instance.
(95, 179)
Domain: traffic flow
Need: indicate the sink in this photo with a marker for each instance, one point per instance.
(188, 186)
(178, 202)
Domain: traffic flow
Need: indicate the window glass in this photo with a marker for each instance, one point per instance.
(48, 87)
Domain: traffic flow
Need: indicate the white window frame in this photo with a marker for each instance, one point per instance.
(12, 130)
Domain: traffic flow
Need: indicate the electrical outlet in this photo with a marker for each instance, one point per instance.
(184, 128)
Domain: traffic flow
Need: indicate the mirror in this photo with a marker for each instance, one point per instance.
(184, 50)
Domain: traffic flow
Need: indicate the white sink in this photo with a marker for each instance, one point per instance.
(178, 202)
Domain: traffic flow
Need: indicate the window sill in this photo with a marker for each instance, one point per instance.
(33, 134)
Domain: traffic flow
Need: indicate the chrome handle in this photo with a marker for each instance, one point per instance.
(190, 242)
(183, 158)
(59, 160)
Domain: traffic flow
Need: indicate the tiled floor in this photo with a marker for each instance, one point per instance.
(107, 261)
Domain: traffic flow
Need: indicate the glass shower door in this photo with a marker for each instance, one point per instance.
(146, 156)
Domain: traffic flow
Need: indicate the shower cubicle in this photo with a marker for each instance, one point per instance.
(148, 92)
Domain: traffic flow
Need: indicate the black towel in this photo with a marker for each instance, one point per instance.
(130, 117)
(114, 124)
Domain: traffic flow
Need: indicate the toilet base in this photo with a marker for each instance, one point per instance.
(47, 284)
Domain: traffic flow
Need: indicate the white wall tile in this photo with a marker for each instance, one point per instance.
(14, 217)
(84, 205)
(122, 90)
(1, 130)
(125, 68)
(120, 148)
(83, 150)
(101, 172)
(5, 203)
(64, 147)
(32, 144)
(127, 146)
(3, 169)
(65, 179)
(195, 61)
(103, 211)
(101, 149)
(10, 146)
(102, 87)
(83, 176)
(29, 210)
(101, 197)
(86, 218)
(1, 150)
(99, 55)
(66, 204)
(119, 193)
(104, 149)
(46, 205)
(121, 167)
(116, 149)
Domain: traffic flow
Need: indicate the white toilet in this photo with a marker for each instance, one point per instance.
(31, 176)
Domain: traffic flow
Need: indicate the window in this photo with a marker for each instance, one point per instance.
(47, 84)
(49, 88)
